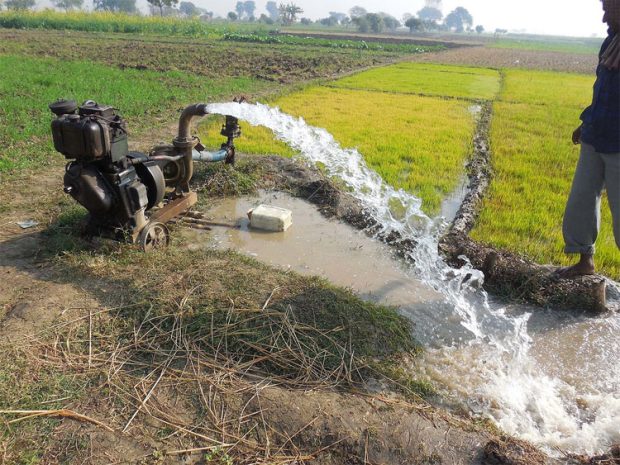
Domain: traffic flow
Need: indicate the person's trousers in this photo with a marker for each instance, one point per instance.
(595, 172)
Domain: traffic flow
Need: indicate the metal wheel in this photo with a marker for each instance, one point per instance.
(154, 236)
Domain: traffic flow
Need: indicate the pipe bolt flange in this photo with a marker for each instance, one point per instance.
(185, 143)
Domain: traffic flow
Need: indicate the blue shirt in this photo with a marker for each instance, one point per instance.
(601, 120)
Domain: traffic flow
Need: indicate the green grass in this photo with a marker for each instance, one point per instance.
(549, 44)
(416, 143)
(547, 88)
(534, 160)
(119, 22)
(428, 79)
(28, 85)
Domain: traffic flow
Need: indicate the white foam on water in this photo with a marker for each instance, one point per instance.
(511, 386)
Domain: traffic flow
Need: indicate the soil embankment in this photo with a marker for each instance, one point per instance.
(507, 275)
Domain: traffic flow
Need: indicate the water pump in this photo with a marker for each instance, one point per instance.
(130, 195)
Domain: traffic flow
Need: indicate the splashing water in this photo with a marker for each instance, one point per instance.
(496, 362)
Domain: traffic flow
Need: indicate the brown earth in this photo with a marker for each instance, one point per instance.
(210, 58)
(513, 58)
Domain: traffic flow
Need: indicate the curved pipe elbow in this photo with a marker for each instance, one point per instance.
(190, 112)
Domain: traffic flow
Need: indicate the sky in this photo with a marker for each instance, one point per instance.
(555, 17)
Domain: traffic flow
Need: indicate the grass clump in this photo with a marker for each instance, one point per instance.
(416, 143)
(220, 180)
(427, 79)
(547, 88)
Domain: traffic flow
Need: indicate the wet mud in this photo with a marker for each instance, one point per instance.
(507, 275)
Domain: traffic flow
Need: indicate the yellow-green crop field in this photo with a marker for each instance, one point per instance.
(428, 79)
(547, 88)
(415, 142)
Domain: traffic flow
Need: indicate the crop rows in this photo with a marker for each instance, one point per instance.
(285, 39)
(115, 22)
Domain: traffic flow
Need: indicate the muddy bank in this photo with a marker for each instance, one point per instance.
(507, 275)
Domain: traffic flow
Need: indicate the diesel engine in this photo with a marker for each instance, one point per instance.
(129, 195)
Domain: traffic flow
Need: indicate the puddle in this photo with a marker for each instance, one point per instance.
(315, 245)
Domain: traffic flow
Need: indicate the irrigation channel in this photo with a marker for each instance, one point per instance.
(552, 378)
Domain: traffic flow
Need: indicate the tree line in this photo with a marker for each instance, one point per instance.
(429, 18)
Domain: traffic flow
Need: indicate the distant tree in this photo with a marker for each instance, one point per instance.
(289, 12)
(232, 16)
(375, 22)
(161, 4)
(249, 8)
(125, 6)
(272, 10)
(357, 12)
(189, 9)
(19, 4)
(390, 21)
(265, 19)
(363, 25)
(240, 10)
(339, 18)
(68, 4)
(305, 21)
(329, 21)
(433, 4)
(479, 28)
(430, 14)
(414, 24)
(406, 17)
(431, 26)
(458, 19)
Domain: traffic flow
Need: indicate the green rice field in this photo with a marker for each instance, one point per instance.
(429, 79)
(534, 160)
(28, 85)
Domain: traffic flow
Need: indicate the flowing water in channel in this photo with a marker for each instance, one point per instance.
(549, 377)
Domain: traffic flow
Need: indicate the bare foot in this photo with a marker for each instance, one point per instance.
(584, 267)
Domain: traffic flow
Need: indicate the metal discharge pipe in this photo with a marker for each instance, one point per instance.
(185, 143)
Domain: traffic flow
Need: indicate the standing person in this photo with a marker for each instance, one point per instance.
(599, 162)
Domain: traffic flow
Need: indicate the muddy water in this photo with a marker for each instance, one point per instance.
(497, 358)
(578, 354)
(315, 245)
